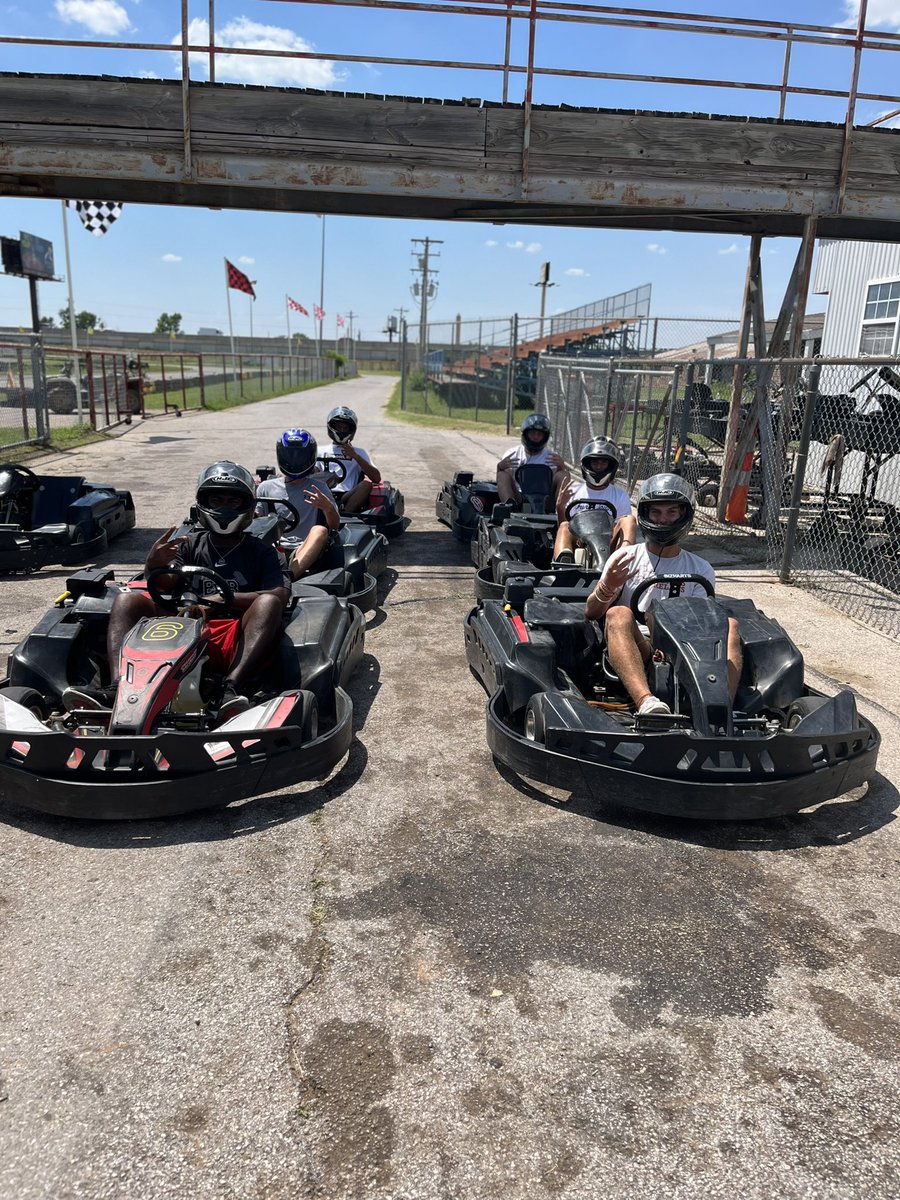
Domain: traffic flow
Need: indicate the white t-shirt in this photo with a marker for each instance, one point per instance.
(354, 470)
(611, 494)
(279, 488)
(519, 455)
(645, 565)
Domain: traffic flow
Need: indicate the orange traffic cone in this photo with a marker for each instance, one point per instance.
(736, 512)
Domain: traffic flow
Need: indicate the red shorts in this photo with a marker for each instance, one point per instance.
(224, 640)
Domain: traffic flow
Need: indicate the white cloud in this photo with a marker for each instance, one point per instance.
(515, 245)
(577, 272)
(245, 34)
(491, 242)
(732, 249)
(148, 75)
(246, 260)
(655, 248)
(532, 247)
(880, 14)
(103, 17)
(171, 258)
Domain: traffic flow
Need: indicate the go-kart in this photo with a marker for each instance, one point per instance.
(557, 712)
(521, 546)
(386, 503)
(160, 748)
(462, 501)
(355, 556)
(56, 519)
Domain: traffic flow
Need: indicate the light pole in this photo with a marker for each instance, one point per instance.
(321, 287)
(543, 283)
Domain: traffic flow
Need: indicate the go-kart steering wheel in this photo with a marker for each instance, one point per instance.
(183, 585)
(272, 504)
(585, 505)
(674, 581)
(339, 463)
(16, 469)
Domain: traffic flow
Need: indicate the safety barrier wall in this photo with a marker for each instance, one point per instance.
(818, 500)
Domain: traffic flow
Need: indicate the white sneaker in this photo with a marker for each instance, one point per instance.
(654, 707)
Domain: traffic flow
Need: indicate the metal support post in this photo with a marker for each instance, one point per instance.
(511, 372)
(793, 516)
(403, 350)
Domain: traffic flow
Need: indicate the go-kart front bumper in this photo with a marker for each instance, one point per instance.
(585, 763)
(121, 778)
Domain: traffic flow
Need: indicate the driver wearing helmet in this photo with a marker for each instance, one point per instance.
(238, 646)
(302, 485)
(361, 473)
(599, 464)
(534, 448)
(665, 511)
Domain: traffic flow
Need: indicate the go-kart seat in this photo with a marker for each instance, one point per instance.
(53, 497)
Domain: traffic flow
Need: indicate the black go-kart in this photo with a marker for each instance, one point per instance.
(462, 501)
(386, 503)
(355, 556)
(50, 519)
(558, 714)
(161, 749)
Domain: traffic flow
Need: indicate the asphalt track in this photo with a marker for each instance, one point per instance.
(426, 979)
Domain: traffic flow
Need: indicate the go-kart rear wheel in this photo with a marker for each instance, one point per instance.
(307, 713)
(798, 709)
(535, 728)
(28, 698)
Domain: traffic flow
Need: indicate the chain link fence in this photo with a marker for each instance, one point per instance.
(45, 388)
(811, 482)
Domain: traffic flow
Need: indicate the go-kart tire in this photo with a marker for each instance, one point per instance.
(708, 496)
(133, 400)
(534, 725)
(308, 716)
(485, 587)
(802, 707)
(29, 698)
(62, 398)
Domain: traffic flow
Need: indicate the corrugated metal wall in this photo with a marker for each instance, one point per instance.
(843, 270)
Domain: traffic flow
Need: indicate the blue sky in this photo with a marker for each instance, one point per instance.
(159, 259)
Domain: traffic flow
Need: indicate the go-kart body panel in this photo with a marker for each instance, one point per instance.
(462, 501)
(106, 765)
(536, 656)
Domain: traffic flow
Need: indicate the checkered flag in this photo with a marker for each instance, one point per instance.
(96, 215)
(238, 280)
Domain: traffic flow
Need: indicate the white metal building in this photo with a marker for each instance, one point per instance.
(862, 282)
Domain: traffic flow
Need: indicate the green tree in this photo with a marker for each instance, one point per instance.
(168, 323)
(48, 323)
(83, 320)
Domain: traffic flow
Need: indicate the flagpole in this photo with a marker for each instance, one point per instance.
(287, 318)
(230, 324)
(321, 285)
(72, 329)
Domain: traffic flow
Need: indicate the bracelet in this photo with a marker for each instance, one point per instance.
(601, 592)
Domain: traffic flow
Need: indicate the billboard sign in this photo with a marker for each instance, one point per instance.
(37, 256)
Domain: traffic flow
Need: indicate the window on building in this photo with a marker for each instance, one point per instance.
(879, 325)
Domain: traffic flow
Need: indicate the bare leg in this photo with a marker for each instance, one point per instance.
(356, 500)
(506, 487)
(629, 652)
(735, 657)
(564, 539)
(128, 608)
(309, 551)
(260, 625)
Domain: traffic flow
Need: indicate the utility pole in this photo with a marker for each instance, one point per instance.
(543, 283)
(425, 288)
(352, 353)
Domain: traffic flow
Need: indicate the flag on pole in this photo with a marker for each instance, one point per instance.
(340, 321)
(297, 307)
(96, 215)
(238, 280)
(318, 312)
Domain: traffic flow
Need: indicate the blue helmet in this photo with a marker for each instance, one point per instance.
(296, 451)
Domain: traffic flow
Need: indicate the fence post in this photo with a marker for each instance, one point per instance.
(39, 389)
(202, 381)
(511, 372)
(790, 532)
(478, 373)
(20, 363)
(685, 422)
(403, 335)
(607, 394)
(666, 464)
(184, 402)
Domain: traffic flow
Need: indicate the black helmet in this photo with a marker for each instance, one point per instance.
(225, 477)
(535, 421)
(296, 452)
(600, 447)
(341, 413)
(665, 489)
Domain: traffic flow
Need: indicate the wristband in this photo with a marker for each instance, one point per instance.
(600, 591)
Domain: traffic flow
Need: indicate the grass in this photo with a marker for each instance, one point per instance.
(65, 437)
(220, 396)
(439, 417)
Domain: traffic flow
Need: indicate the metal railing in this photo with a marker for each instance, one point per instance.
(818, 496)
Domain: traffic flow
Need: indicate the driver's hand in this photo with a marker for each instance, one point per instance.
(316, 497)
(556, 460)
(332, 479)
(617, 569)
(164, 549)
(507, 463)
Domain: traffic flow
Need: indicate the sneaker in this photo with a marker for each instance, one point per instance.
(232, 703)
(90, 697)
(652, 706)
(565, 558)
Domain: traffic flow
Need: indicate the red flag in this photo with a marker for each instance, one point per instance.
(297, 307)
(340, 321)
(318, 312)
(238, 280)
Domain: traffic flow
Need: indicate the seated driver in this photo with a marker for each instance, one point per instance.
(351, 492)
(238, 646)
(665, 512)
(296, 451)
(599, 465)
(535, 448)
